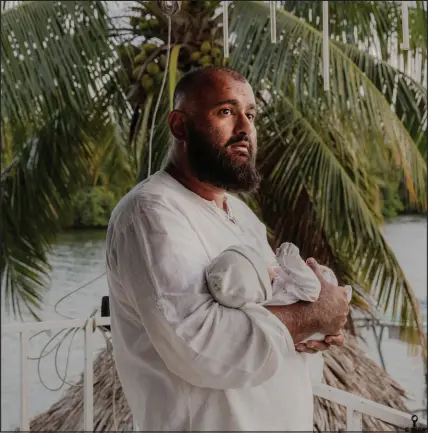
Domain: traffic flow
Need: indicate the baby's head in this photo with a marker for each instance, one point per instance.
(287, 249)
(239, 275)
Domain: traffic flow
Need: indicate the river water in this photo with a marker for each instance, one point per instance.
(78, 257)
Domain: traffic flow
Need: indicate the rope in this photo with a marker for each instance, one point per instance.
(325, 57)
(273, 21)
(225, 29)
(63, 378)
(152, 129)
(74, 291)
(110, 351)
(405, 24)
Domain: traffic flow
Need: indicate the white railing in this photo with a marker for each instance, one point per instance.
(356, 406)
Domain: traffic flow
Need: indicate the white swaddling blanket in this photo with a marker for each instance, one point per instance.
(239, 276)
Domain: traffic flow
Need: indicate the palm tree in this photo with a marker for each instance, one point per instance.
(70, 76)
(59, 86)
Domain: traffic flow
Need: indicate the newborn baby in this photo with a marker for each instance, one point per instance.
(239, 275)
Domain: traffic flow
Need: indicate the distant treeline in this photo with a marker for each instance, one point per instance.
(93, 205)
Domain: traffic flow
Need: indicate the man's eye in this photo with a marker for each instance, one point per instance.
(226, 111)
(251, 116)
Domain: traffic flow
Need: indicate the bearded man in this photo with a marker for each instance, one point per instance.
(185, 362)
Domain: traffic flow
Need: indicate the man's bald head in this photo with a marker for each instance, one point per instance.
(193, 83)
(213, 128)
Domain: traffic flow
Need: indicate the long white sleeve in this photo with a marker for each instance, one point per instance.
(160, 263)
(239, 276)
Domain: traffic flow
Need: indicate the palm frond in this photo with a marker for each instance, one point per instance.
(60, 92)
(54, 48)
(38, 186)
(318, 192)
(406, 96)
(293, 67)
(374, 27)
(112, 163)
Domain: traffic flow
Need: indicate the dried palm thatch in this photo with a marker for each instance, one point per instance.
(350, 369)
(347, 368)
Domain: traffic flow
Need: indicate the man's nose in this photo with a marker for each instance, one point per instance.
(243, 126)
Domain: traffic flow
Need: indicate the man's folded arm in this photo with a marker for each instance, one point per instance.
(161, 263)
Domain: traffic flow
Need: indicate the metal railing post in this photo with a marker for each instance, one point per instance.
(88, 396)
(25, 425)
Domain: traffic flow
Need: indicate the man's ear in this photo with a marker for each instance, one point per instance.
(177, 121)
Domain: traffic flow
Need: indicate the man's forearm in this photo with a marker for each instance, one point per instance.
(299, 318)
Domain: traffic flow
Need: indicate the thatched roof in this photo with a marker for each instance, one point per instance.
(346, 367)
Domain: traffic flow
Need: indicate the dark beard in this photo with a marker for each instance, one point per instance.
(211, 164)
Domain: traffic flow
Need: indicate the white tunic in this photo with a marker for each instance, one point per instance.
(185, 362)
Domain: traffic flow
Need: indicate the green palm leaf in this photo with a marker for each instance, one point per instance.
(59, 87)
(371, 26)
(406, 96)
(295, 67)
(53, 48)
(326, 203)
(38, 186)
(317, 150)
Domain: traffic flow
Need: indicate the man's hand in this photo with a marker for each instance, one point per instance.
(313, 346)
(327, 315)
(272, 271)
(332, 302)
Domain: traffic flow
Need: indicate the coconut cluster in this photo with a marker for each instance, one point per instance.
(153, 71)
(207, 55)
(199, 39)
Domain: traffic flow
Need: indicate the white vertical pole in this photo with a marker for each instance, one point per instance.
(326, 59)
(226, 29)
(354, 420)
(88, 396)
(405, 18)
(273, 21)
(25, 425)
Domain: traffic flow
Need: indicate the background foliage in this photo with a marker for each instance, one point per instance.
(78, 94)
